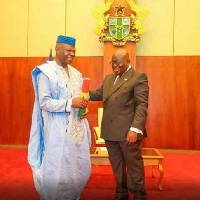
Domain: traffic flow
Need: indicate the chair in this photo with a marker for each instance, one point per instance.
(99, 142)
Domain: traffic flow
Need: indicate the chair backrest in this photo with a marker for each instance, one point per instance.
(100, 114)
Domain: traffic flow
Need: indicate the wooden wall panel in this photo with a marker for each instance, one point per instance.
(160, 121)
(187, 73)
(174, 103)
(91, 67)
(17, 96)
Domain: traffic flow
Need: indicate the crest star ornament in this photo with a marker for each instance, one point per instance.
(119, 10)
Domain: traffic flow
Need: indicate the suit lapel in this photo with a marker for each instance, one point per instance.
(119, 83)
(108, 86)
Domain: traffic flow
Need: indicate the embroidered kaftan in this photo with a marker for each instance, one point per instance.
(58, 150)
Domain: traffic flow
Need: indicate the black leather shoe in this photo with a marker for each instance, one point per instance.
(121, 196)
(136, 197)
(118, 198)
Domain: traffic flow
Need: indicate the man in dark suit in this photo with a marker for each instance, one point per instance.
(125, 102)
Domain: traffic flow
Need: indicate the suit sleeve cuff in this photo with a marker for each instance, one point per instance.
(136, 130)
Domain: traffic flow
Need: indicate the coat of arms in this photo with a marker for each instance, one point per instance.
(119, 28)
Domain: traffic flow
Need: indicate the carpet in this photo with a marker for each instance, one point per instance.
(181, 179)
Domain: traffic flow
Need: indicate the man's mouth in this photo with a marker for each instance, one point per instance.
(69, 58)
(116, 71)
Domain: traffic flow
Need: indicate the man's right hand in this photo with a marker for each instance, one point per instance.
(79, 102)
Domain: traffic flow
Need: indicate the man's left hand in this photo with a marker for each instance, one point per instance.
(131, 138)
(85, 114)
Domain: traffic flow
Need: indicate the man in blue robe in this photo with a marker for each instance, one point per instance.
(58, 150)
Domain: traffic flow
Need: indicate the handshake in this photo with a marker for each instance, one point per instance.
(81, 102)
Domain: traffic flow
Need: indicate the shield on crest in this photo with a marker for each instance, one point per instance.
(119, 27)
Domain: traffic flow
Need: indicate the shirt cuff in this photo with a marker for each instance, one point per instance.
(68, 105)
(136, 130)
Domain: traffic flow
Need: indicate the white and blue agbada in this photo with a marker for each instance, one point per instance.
(58, 150)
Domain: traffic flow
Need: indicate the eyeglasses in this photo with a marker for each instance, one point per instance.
(118, 63)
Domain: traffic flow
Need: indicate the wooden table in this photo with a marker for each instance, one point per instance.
(151, 156)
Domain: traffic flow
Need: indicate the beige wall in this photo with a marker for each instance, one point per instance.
(13, 28)
(187, 27)
(81, 23)
(30, 27)
(46, 21)
(158, 40)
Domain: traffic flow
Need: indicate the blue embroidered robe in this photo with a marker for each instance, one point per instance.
(58, 150)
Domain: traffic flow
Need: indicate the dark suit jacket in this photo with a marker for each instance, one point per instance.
(125, 104)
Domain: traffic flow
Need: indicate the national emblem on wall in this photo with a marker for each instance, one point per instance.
(121, 27)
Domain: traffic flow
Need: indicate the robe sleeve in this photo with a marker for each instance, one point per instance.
(46, 101)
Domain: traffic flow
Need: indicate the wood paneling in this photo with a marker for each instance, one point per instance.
(91, 67)
(174, 103)
(187, 73)
(17, 96)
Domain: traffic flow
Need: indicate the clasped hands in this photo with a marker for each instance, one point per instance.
(80, 102)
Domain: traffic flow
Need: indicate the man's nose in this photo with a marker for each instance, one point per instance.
(72, 52)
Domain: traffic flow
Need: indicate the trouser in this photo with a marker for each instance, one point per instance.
(128, 167)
